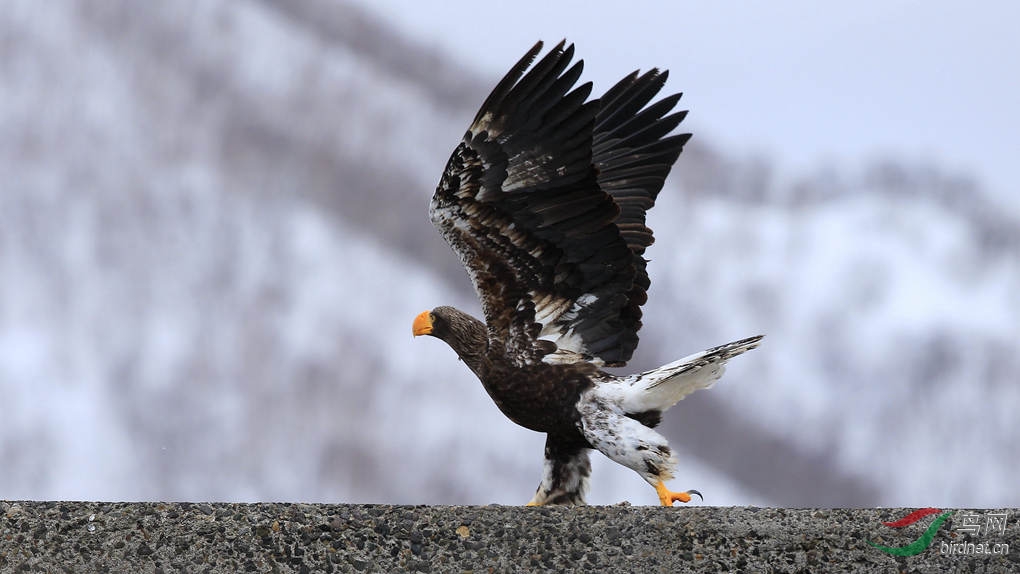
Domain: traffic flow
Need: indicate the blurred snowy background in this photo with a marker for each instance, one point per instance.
(213, 240)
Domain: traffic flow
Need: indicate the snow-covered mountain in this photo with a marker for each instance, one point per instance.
(213, 240)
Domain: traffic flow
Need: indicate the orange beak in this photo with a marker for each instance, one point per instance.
(422, 324)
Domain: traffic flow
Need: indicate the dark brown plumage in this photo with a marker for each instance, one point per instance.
(544, 201)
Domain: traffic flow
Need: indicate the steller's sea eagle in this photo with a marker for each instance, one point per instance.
(544, 202)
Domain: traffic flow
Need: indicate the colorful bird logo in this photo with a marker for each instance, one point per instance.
(921, 544)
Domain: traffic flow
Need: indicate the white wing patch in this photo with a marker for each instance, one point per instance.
(548, 308)
(555, 315)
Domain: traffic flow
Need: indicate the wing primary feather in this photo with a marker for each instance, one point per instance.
(664, 151)
(508, 81)
(625, 144)
(526, 97)
(555, 105)
(631, 100)
(619, 87)
(650, 117)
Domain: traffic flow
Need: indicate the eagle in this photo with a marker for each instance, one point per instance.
(544, 202)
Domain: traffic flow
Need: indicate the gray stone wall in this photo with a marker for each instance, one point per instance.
(197, 537)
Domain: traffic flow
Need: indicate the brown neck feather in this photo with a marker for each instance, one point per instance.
(464, 334)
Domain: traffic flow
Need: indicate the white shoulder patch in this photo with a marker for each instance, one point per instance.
(566, 357)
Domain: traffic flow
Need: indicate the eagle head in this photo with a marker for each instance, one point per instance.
(447, 323)
(465, 334)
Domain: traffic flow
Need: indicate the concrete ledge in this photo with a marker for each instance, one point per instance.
(190, 537)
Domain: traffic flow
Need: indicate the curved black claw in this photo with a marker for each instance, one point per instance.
(692, 491)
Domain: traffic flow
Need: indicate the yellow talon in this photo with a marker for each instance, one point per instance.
(532, 503)
(667, 497)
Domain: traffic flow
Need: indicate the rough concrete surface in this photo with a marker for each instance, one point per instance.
(155, 537)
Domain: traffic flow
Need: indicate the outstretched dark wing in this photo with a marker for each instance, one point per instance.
(544, 201)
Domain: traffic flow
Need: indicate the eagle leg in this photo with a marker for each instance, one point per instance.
(667, 497)
(565, 474)
(629, 442)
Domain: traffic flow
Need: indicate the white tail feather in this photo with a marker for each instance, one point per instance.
(661, 388)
